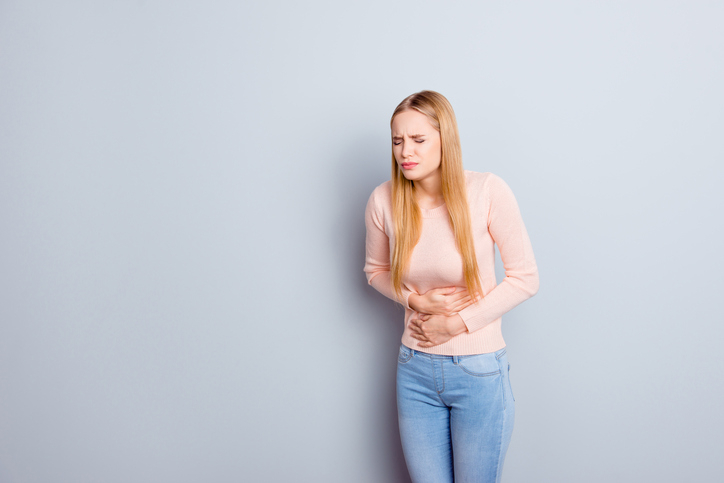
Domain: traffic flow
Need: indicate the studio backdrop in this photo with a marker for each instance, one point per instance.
(182, 194)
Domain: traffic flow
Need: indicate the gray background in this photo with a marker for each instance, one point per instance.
(182, 189)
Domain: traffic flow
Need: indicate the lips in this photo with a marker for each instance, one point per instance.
(408, 165)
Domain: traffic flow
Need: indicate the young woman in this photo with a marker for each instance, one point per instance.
(431, 235)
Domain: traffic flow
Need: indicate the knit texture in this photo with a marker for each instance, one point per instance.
(435, 261)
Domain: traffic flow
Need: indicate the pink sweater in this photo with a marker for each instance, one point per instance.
(436, 262)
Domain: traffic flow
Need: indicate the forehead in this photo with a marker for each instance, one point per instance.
(412, 122)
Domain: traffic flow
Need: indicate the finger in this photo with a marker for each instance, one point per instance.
(420, 335)
(460, 296)
(456, 297)
(461, 305)
(458, 306)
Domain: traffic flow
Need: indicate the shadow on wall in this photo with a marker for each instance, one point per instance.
(382, 317)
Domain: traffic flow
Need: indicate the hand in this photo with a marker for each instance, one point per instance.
(433, 330)
(440, 301)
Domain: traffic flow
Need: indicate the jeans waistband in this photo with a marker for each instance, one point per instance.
(498, 354)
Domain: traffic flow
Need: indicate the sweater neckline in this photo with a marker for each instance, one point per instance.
(434, 212)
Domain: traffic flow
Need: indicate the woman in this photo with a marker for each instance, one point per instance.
(431, 235)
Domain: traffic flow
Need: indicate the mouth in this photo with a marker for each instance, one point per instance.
(408, 165)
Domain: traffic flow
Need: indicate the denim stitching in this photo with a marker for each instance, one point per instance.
(499, 468)
(461, 362)
(434, 380)
(475, 374)
(442, 376)
(510, 385)
(502, 385)
(406, 358)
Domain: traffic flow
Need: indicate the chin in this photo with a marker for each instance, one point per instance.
(408, 175)
(414, 176)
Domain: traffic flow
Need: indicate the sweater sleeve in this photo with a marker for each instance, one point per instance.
(506, 227)
(377, 253)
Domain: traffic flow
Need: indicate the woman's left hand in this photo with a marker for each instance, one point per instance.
(432, 330)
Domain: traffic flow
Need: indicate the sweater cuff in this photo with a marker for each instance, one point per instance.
(472, 318)
(406, 298)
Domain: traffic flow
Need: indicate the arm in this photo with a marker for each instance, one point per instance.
(377, 253)
(521, 271)
(440, 301)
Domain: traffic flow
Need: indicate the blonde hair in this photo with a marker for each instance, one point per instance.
(405, 210)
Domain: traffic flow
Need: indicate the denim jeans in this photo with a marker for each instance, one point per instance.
(456, 415)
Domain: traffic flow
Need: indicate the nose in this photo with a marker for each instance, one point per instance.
(407, 149)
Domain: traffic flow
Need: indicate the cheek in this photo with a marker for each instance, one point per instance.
(433, 154)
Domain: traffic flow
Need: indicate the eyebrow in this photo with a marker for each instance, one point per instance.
(413, 136)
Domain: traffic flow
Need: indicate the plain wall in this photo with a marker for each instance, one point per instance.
(182, 190)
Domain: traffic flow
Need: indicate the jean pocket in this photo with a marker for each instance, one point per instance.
(481, 365)
(405, 354)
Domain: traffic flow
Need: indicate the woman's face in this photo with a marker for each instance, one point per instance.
(416, 145)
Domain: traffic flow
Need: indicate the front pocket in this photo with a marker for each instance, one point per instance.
(405, 355)
(481, 365)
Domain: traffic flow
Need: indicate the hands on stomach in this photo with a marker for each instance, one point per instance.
(438, 320)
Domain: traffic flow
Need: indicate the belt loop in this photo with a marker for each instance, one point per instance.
(455, 360)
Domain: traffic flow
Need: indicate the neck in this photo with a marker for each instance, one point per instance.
(428, 191)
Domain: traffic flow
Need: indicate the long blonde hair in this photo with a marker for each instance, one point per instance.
(405, 210)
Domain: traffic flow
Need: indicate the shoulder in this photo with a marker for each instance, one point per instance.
(485, 183)
(380, 201)
(382, 195)
(482, 186)
(476, 179)
(489, 192)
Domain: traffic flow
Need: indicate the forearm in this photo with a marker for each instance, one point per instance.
(512, 291)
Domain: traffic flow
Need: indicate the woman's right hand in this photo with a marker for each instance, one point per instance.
(440, 301)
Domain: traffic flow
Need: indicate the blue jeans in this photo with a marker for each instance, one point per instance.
(456, 415)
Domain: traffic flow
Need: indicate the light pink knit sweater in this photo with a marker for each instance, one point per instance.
(436, 262)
